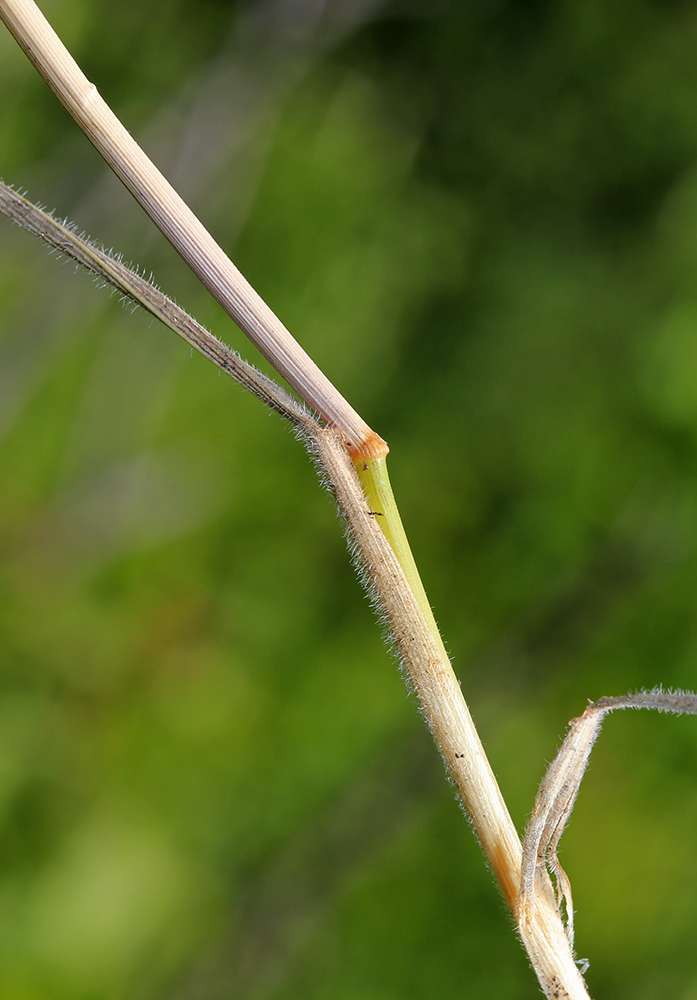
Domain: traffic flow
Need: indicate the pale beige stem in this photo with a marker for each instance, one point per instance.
(181, 227)
(444, 708)
(420, 648)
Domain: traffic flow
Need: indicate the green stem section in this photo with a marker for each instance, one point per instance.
(378, 492)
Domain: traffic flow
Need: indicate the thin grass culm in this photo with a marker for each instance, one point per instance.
(412, 631)
(350, 458)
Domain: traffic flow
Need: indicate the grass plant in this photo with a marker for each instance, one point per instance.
(351, 459)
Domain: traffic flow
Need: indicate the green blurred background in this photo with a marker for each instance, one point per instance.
(481, 219)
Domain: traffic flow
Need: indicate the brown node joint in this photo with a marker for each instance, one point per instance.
(369, 448)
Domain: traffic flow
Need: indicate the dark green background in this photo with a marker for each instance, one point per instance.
(481, 220)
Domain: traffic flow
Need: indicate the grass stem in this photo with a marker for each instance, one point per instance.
(180, 226)
(349, 454)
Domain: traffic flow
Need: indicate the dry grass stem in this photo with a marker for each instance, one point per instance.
(181, 227)
(533, 882)
(420, 650)
(444, 708)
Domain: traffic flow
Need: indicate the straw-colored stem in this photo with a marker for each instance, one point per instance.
(181, 227)
(447, 714)
(400, 600)
(444, 708)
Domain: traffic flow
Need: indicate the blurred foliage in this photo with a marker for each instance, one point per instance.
(481, 219)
